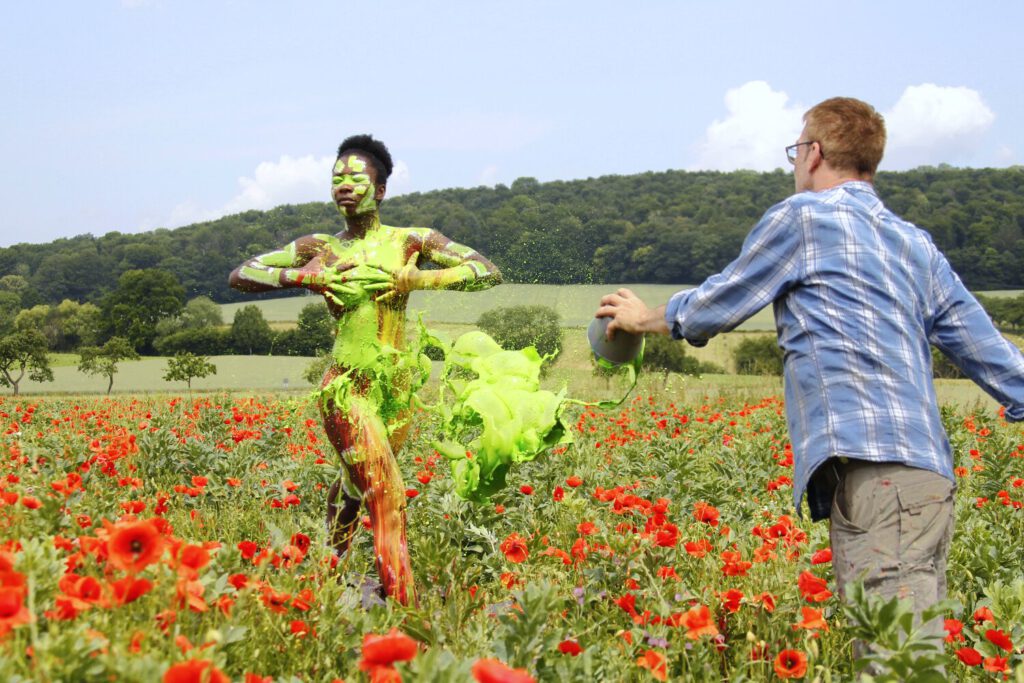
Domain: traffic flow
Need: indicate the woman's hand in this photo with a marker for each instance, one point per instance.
(347, 288)
(405, 280)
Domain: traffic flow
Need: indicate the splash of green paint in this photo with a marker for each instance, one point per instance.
(499, 414)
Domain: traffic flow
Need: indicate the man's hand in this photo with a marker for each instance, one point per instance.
(630, 314)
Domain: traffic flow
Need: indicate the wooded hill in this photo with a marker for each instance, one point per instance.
(666, 227)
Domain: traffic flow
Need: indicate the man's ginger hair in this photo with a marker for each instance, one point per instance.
(851, 134)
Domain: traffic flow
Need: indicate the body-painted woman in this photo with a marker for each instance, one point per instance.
(366, 273)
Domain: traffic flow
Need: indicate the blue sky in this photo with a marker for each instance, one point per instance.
(128, 115)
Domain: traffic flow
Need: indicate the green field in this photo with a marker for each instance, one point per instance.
(573, 370)
(574, 303)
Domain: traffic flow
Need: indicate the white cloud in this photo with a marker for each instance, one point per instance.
(286, 181)
(489, 175)
(759, 123)
(400, 181)
(132, 4)
(933, 124)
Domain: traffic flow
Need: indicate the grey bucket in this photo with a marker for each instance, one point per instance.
(624, 348)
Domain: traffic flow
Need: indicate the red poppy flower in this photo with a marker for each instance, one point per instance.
(996, 664)
(195, 671)
(569, 647)
(586, 528)
(999, 639)
(954, 630)
(667, 536)
(655, 662)
(394, 646)
(192, 558)
(133, 546)
(494, 671)
(969, 656)
(731, 599)
(699, 622)
(823, 556)
(558, 494)
(248, 549)
(812, 588)
(526, 489)
(12, 607)
(574, 481)
(515, 548)
(703, 512)
(983, 614)
(812, 620)
(130, 589)
(791, 664)
(698, 548)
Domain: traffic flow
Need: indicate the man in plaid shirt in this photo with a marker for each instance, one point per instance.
(859, 296)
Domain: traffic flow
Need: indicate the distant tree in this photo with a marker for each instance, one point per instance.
(22, 352)
(313, 335)
(943, 367)
(668, 355)
(10, 306)
(758, 355)
(66, 325)
(183, 367)
(142, 297)
(250, 332)
(314, 372)
(103, 360)
(516, 327)
(316, 326)
(202, 341)
(80, 324)
(199, 312)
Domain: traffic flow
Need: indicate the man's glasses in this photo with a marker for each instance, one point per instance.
(791, 151)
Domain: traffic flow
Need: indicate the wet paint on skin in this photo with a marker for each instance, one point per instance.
(353, 172)
(366, 394)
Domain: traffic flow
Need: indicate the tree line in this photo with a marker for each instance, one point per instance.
(656, 227)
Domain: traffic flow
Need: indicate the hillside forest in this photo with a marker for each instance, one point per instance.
(656, 227)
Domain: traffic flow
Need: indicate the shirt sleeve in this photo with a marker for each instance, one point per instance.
(769, 263)
(962, 330)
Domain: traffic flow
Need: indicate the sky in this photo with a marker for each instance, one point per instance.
(132, 115)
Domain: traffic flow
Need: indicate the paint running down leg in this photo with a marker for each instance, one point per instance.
(374, 472)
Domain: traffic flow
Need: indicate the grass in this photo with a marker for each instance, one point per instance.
(575, 304)
(573, 369)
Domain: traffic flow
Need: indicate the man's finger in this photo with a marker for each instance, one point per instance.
(609, 331)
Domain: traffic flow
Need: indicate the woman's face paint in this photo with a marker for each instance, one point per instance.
(354, 186)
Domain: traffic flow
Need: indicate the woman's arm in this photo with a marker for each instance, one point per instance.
(282, 268)
(461, 267)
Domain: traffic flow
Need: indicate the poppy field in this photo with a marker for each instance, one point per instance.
(182, 540)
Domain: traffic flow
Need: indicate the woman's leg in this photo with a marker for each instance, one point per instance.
(361, 439)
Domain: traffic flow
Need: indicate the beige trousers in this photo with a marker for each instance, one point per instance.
(890, 528)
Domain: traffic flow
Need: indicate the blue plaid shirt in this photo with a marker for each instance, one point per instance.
(858, 295)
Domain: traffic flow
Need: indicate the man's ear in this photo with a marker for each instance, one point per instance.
(379, 193)
(818, 159)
